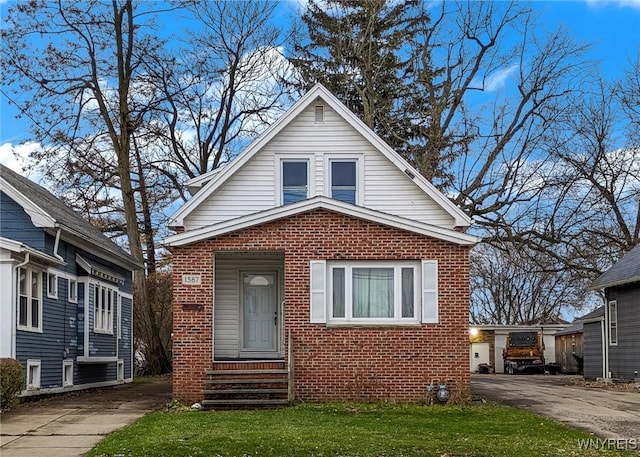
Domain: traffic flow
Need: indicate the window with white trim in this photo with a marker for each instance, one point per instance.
(104, 301)
(369, 292)
(295, 181)
(613, 322)
(119, 311)
(72, 290)
(120, 370)
(318, 114)
(67, 373)
(373, 292)
(33, 374)
(343, 178)
(29, 299)
(52, 285)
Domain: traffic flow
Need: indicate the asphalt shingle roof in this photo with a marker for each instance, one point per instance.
(624, 271)
(67, 219)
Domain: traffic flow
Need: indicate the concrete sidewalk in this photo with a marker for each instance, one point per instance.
(73, 424)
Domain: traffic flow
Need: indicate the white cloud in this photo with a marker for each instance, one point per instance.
(15, 156)
(497, 79)
(620, 3)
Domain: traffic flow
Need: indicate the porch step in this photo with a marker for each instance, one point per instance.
(243, 381)
(246, 402)
(245, 391)
(245, 372)
(232, 387)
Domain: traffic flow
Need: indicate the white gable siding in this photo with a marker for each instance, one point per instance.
(254, 188)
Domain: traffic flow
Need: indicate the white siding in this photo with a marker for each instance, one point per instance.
(253, 187)
(226, 315)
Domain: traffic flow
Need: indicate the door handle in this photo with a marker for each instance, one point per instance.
(275, 318)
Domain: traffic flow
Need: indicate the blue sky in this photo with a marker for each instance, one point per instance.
(613, 25)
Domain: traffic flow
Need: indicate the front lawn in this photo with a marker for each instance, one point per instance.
(350, 430)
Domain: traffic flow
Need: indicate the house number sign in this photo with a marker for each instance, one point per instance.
(191, 280)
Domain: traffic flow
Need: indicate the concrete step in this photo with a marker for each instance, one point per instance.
(245, 391)
(245, 381)
(245, 401)
(246, 372)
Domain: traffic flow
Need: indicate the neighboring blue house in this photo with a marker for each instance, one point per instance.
(66, 293)
(621, 284)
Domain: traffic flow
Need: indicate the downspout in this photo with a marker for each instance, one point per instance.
(604, 349)
(56, 245)
(607, 318)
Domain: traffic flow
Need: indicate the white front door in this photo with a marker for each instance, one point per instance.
(259, 314)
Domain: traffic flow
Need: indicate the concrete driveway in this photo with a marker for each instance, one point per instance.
(605, 413)
(71, 424)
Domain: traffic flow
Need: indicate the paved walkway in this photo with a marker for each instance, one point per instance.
(71, 424)
(605, 413)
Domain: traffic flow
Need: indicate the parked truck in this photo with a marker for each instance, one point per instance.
(524, 353)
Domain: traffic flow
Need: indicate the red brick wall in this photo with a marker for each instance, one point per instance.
(334, 363)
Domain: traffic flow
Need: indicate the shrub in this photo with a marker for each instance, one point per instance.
(11, 382)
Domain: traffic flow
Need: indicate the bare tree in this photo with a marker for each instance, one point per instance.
(81, 85)
(513, 286)
(221, 88)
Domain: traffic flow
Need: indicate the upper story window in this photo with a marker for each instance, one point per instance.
(52, 285)
(613, 322)
(319, 114)
(295, 181)
(104, 305)
(343, 180)
(29, 299)
(73, 291)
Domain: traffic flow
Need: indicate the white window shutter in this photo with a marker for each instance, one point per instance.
(318, 284)
(430, 292)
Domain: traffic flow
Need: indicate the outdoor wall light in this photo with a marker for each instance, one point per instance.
(473, 331)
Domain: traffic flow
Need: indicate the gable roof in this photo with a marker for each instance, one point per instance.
(48, 211)
(281, 212)
(624, 271)
(576, 327)
(217, 177)
(597, 313)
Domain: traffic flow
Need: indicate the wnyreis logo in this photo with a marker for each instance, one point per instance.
(620, 444)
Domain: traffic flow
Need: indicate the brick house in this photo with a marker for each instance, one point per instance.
(320, 254)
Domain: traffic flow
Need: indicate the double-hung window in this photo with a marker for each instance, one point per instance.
(343, 180)
(344, 177)
(73, 291)
(373, 292)
(295, 181)
(29, 299)
(613, 322)
(104, 301)
(52, 285)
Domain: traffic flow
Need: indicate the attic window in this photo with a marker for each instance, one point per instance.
(319, 114)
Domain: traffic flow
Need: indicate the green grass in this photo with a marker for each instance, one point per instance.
(349, 430)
